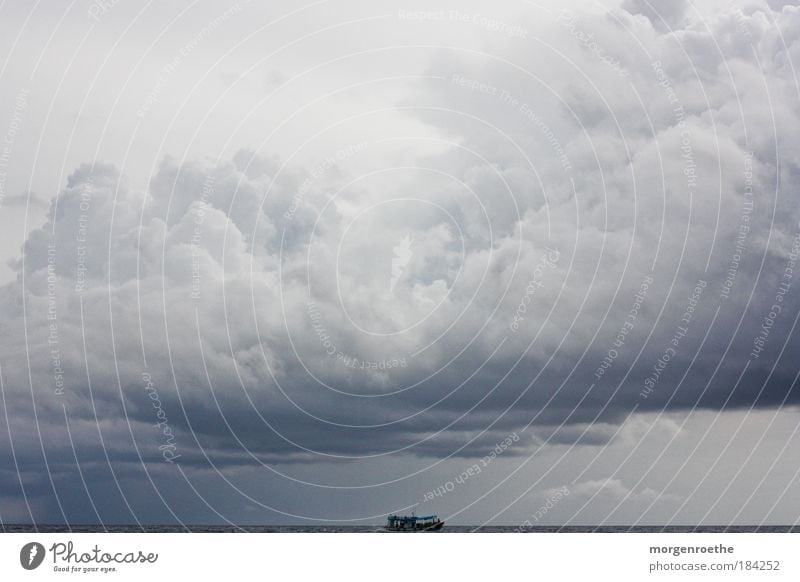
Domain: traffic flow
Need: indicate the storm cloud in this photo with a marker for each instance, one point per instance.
(556, 235)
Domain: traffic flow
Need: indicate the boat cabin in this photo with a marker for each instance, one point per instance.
(413, 523)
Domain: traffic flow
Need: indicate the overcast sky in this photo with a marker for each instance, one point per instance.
(320, 262)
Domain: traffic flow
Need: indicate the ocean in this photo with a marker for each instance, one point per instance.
(91, 528)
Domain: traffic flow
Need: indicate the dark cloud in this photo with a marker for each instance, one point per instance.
(609, 235)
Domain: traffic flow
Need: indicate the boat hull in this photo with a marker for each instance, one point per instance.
(421, 528)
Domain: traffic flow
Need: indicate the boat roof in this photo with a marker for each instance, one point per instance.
(412, 517)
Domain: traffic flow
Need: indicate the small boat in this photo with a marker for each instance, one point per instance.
(414, 523)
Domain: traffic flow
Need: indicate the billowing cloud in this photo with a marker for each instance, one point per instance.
(607, 226)
(664, 16)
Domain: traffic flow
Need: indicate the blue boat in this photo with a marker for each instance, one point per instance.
(412, 523)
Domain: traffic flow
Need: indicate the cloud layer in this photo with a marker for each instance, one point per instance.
(604, 223)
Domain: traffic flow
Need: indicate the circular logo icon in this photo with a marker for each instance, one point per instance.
(31, 555)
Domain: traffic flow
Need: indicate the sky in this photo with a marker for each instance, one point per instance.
(281, 263)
